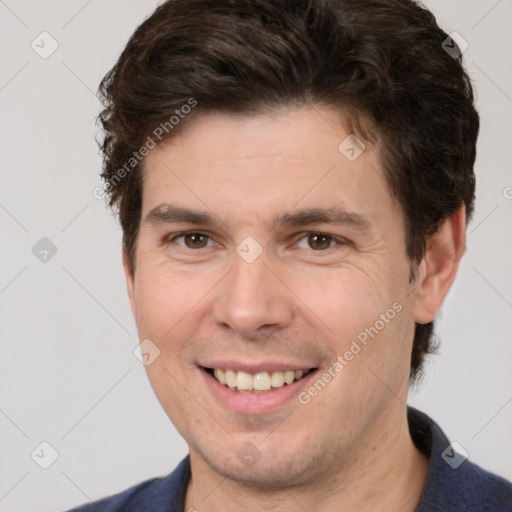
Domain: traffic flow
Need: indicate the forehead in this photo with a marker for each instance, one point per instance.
(268, 164)
(296, 133)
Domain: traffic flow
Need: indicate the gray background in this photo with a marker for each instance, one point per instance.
(68, 373)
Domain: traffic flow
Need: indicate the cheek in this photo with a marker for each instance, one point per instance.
(154, 303)
(368, 327)
(164, 296)
(345, 300)
(165, 315)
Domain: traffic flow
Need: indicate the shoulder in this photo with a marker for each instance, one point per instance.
(488, 488)
(468, 488)
(454, 483)
(155, 495)
(130, 499)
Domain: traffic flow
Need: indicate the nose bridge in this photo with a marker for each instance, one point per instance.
(252, 296)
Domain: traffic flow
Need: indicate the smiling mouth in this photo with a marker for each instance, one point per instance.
(262, 382)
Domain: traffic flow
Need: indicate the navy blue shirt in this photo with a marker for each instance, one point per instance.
(454, 484)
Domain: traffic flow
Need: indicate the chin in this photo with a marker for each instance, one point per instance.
(263, 469)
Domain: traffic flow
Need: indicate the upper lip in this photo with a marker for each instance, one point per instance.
(253, 368)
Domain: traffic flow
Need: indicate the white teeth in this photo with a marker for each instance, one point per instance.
(220, 375)
(289, 376)
(244, 381)
(263, 381)
(230, 378)
(277, 379)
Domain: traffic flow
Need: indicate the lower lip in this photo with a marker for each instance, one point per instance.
(255, 403)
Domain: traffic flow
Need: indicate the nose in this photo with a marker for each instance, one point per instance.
(253, 299)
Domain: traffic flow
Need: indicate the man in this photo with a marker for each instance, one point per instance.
(294, 180)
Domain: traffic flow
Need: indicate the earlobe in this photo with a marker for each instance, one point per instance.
(439, 267)
(129, 275)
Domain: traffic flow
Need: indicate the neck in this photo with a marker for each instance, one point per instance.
(384, 472)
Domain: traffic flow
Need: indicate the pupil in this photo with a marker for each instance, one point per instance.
(195, 239)
(321, 241)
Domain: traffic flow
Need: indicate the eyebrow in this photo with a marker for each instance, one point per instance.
(168, 214)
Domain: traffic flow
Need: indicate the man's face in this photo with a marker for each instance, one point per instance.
(319, 290)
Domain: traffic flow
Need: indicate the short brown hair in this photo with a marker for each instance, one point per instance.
(381, 59)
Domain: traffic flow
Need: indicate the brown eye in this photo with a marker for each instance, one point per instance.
(195, 240)
(191, 240)
(318, 241)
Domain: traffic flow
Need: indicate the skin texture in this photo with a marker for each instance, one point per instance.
(349, 447)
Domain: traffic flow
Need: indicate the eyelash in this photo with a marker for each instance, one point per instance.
(338, 241)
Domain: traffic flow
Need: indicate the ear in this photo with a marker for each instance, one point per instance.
(439, 266)
(129, 275)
